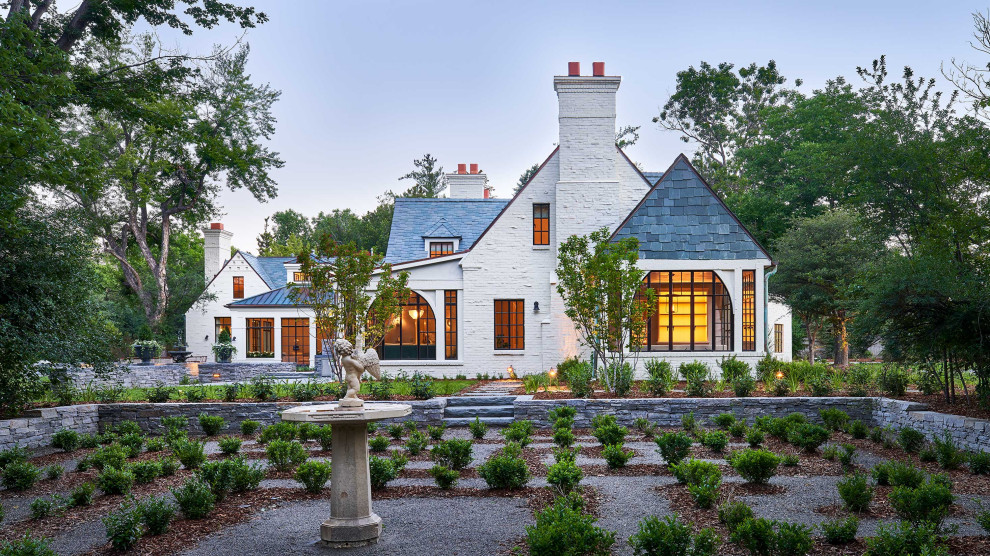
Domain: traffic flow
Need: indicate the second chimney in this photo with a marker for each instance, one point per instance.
(467, 185)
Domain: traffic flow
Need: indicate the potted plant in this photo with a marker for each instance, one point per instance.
(224, 349)
(146, 350)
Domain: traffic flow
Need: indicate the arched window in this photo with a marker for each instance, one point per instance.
(693, 313)
(413, 334)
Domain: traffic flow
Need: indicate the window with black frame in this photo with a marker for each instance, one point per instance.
(693, 312)
(413, 334)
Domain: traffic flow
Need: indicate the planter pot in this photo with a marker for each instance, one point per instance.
(145, 354)
(223, 358)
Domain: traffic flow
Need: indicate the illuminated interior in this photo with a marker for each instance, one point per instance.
(693, 312)
(413, 334)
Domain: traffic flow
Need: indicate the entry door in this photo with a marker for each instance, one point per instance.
(295, 341)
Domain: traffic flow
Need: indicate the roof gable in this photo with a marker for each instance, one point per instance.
(681, 217)
(270, 269)
(442, 229)
(417, 218)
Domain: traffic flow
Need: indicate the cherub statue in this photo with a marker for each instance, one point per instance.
(355, 361)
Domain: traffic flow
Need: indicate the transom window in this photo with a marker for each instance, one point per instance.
(510, 328)
(694, 312)
(413, 334)
(441, 248)
(238, 287)
(541, 224)
(749, 310)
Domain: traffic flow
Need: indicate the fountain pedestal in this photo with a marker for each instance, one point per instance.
(352, 521)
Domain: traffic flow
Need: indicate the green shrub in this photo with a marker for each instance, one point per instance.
(195, 499)
(715, 441)
(756, 466)
(27, 546)
(733, 514)
(688, 422)
(610, 433)
(82, 495)
(733, 369)
(231, 392)
(645, 427)
(808, 436)
(249, 427)
(111, 455)
(927, 454)
(382, 471)
(19, 476)
(820, 385)
(562, 412)
(396, 430)
(979, 463)
(219, 476)
(124, 526)
(892, 380)
(399, 460)
(146, 471)
(789, 460)
(858, 429)
(45, 507)
(903, 539)
(910, 439)
(314, 475)
(156, 514)
(670, 537)
(566, 454)
(695, 471)
(54, 471)
(697, 377)
(436, 432)
(86, 441)
(846, 455)
(156, 444)
(705, 491)
(244, 477)
(756, 535)
(519, 432)
(115, 481)
(416, 443)
(563, 437)
(505, 469)
(674, 446)
(190, 453)
(578, 379)
(168, 466)
(754, 437)
(834, 419)
(65, 440)
(724, 420)
(781, 387)
(983, 518)
(285, 455)
(743, 386)
(564, 529)
(738, 429)
(211, 424)
(793, 539)
(563, 423)
(195, 394)
(445, 478)
(454, 453)
(564, 475)
(379, 443)
(283, 430)
(856, 492)
(948, 455)
(306, 431)
(616, 456)
(928, 503)
(133, 442)
(840, 531)
(230, 445)
(903, 474)
(478, 428)
(659, 378)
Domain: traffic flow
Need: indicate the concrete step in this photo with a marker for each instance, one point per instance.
(475, 401)
(464, 421)
(479, 411)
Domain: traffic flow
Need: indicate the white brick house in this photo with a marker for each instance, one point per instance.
(482, 271)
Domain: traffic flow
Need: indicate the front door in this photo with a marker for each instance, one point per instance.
(295, 341)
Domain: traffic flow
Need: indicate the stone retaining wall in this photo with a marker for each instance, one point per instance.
(667, 412)
(967, 432)
(146, 376)
(36, 427)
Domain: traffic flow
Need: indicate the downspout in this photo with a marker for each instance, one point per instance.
(766, 306)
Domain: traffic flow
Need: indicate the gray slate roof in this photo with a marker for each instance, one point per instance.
(681, 218)
(415, 219)
(271, 269)
(653, 177)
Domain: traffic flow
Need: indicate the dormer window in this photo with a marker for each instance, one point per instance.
(300, 277)
(441, 248)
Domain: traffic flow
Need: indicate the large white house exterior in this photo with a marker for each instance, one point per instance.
(482, 270)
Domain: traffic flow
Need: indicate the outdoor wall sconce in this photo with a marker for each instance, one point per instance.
(536, 306)
(207, 338)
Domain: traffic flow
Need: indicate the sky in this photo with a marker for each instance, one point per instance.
(369, 86)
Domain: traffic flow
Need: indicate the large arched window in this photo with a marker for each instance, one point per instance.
(413, 334)
(693, 312)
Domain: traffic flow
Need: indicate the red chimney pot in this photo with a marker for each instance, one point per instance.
(573, 68)
(474, 168)
(598, 69)
(487, 193)
(216, 226)
(462, 168)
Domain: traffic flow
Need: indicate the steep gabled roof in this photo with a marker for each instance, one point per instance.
(442, 229)
(271, 269)
(416, 218)
(681, 217)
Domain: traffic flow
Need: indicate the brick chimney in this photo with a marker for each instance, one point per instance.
(467, 183)
(587, 123)
(216, 249)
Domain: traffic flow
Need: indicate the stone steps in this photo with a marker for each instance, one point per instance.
(490, 421)
(490, 404)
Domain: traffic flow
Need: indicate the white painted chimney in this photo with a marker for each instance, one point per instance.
(216, 249)
(468, 184)
(587, 123)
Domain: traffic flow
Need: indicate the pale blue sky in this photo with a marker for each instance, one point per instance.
(369, 86)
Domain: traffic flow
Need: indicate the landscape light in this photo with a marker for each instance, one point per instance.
(780, 375)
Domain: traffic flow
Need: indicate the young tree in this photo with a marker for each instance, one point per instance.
(429, 177)
(603, 295)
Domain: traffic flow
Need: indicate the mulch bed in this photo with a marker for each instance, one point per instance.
(880, 507)
(631, 470)
(61, 457)
(469, 473)
(596, 451)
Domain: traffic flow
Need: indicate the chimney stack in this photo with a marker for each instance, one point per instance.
(467, 185)
(587, 123)
(216, 249)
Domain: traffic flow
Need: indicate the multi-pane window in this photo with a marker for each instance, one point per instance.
(778, 338)
(450, 324)
(238, 287)
(321, 337)
(300, 277)
(441, 248)
(749, 310)
(693, 312)
(413, 334)
(260, 337)
(541, 224)
(221, 324)
(510, 329)
(295, 341)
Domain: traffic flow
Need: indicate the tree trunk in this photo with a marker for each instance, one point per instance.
(842, 347)
(812, 339)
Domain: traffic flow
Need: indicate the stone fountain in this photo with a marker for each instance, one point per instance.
(352, 521)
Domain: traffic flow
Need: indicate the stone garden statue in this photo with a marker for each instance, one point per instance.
(355, 361)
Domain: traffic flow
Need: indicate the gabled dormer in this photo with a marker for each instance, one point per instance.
(441, 239)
